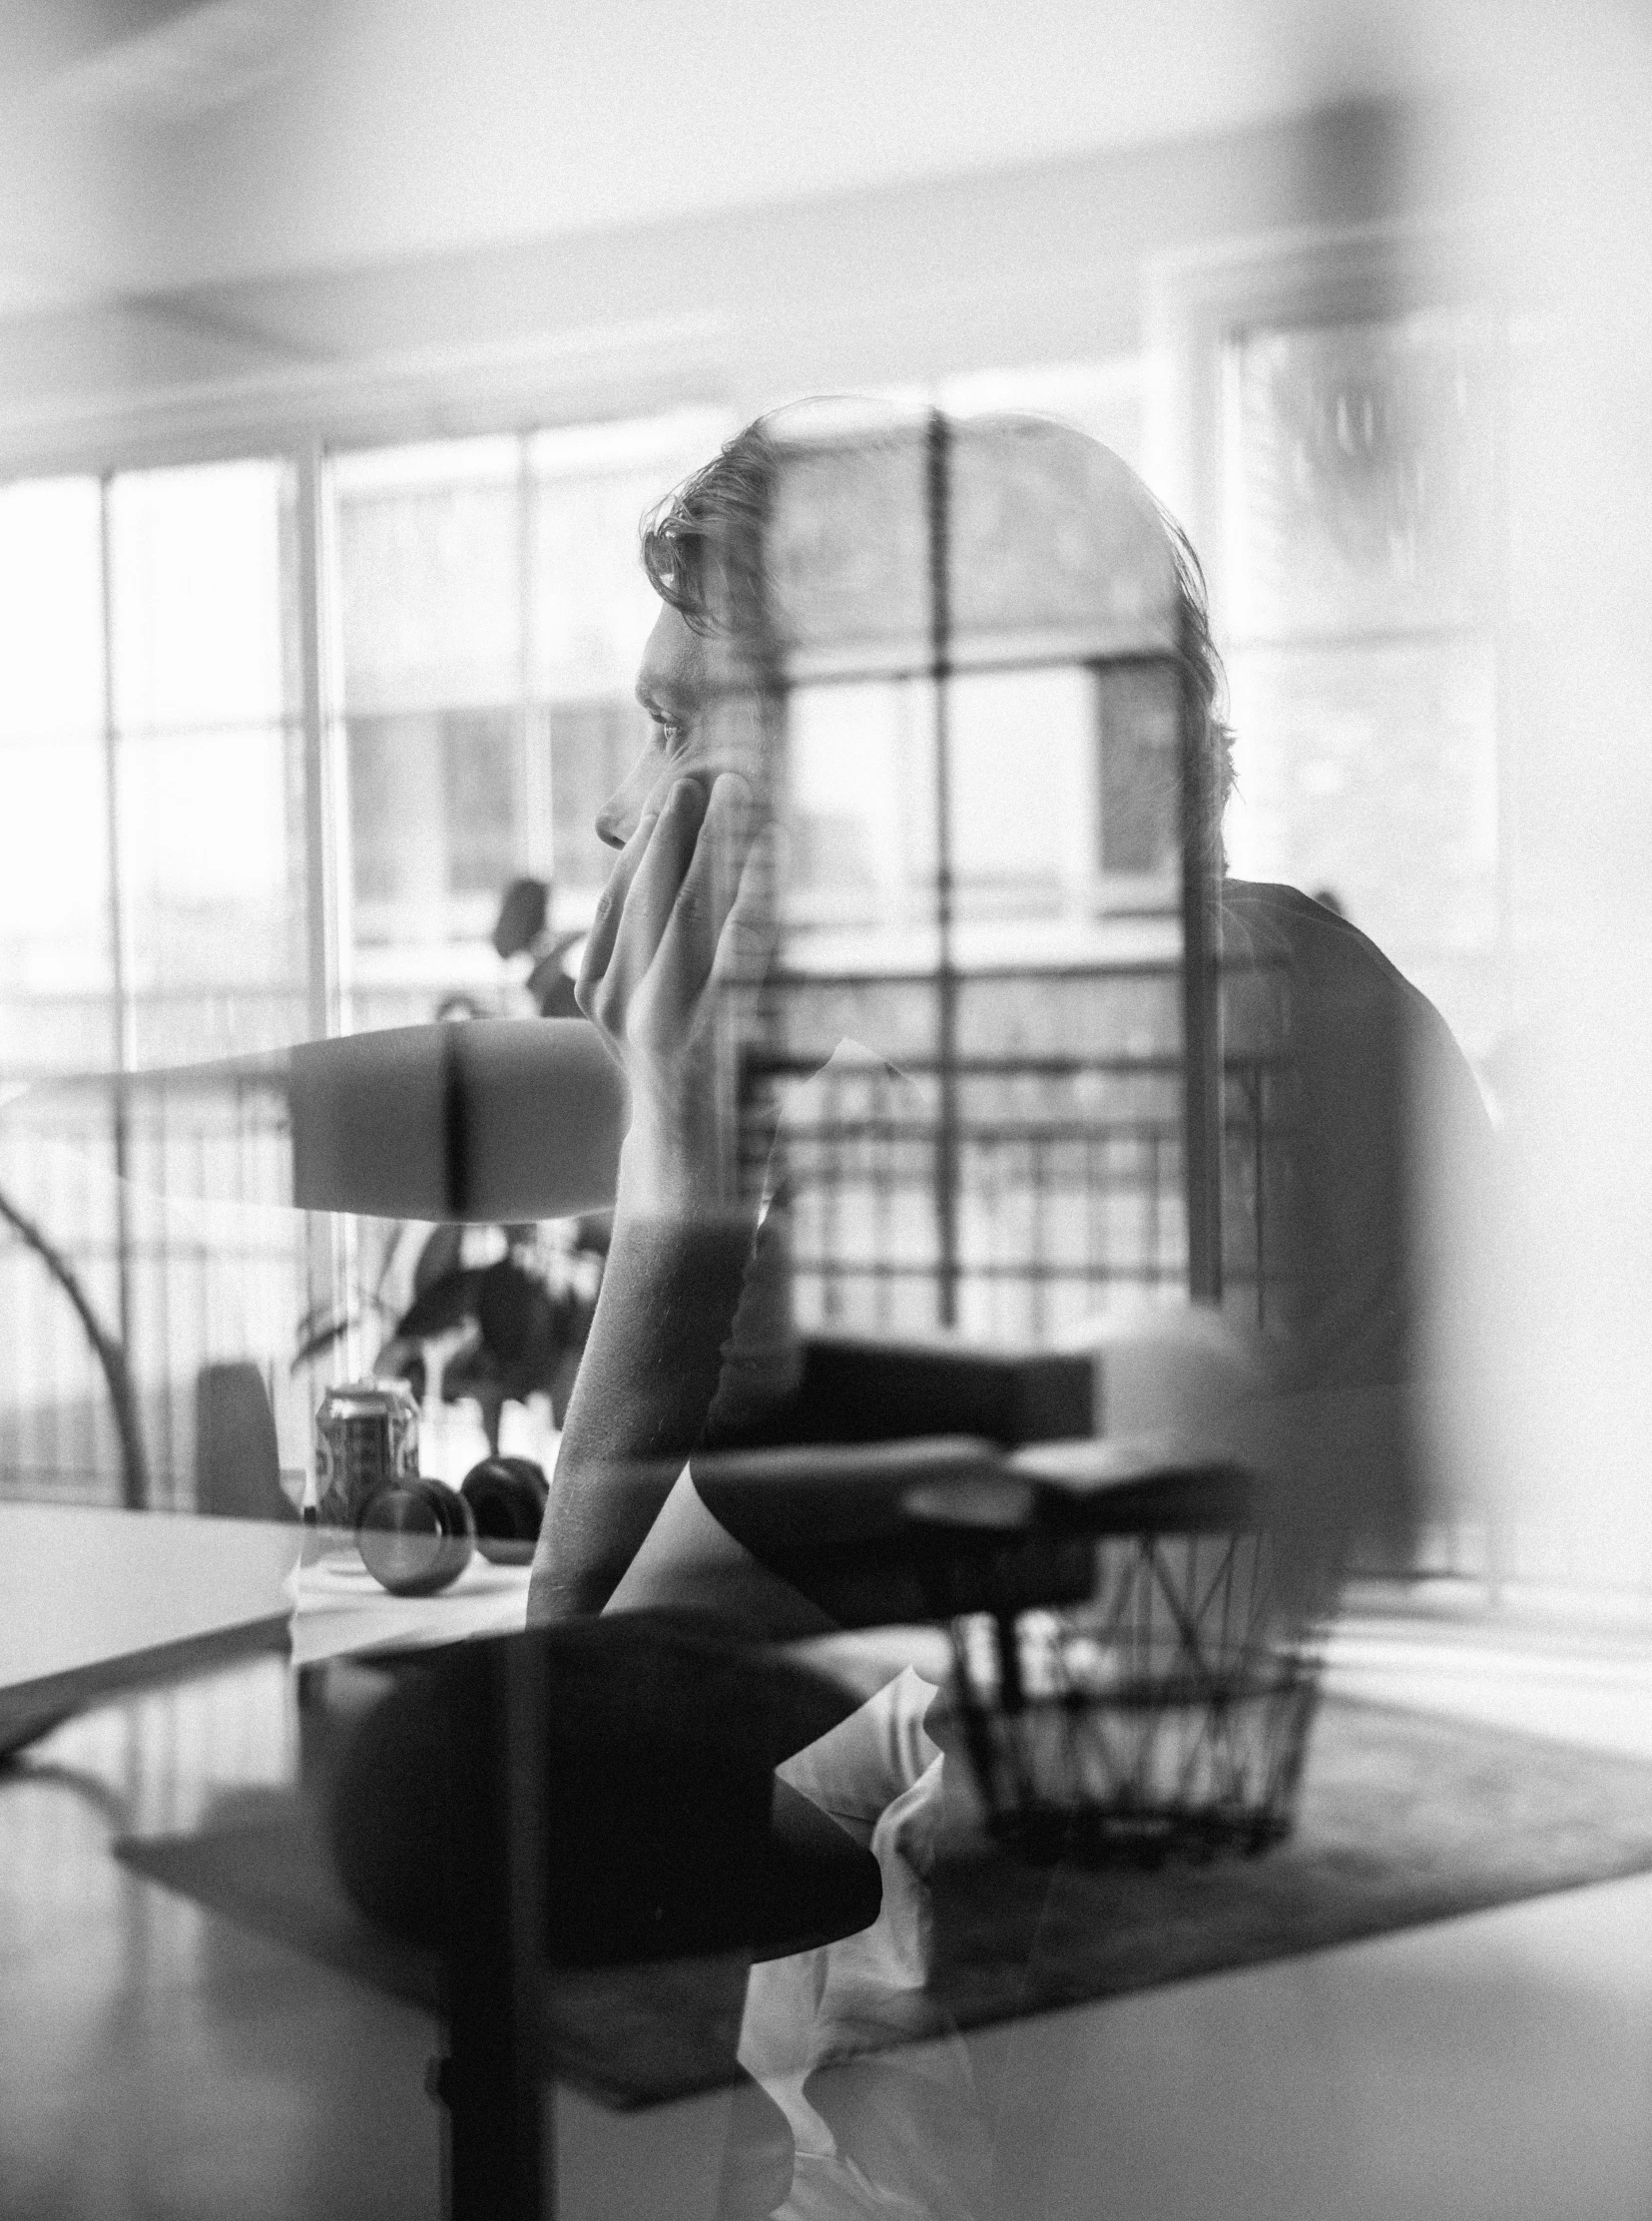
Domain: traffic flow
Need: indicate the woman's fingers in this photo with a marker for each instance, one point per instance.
(650, 901)
(710, 889)
(605, 925)
(746, 943)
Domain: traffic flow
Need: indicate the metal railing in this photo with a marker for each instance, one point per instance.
(1068, 1190)
(170, 1207)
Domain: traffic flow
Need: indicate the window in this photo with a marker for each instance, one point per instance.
(1138, 779)
(1363, 562)
(56, 939)
(492, 613)
(152, 913)
(170, 692)
(207, 742)
(591, 746)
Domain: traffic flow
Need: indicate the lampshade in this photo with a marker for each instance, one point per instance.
(496, 1120)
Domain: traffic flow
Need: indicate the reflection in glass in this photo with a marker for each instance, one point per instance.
(197, 596)
(1362, 476)
(429, 578)
(1373, 769)
(51, 608)
(1365, 559)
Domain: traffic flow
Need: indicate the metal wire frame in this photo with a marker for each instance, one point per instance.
(1169, 1717)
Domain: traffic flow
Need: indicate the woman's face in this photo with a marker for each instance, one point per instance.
(707, 715)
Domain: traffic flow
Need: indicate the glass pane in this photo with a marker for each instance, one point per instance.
(212, 1287)
(55, 936)
(194, 1024)
(481, 759)
(57, 1034)
(434, 814)
(57, 1429)
(429, 575)
(1051, 538)
(211, 860)
(1372, 772)
(985, 1117)
(848, 545)
(1104, 400)
(51, 608)
(1024, 790)
(862, 805)
(396, 811)
(199, 589)
(1139, 773)
(592, 746)
(592, 605)
(1362, 476)
(1022, 805)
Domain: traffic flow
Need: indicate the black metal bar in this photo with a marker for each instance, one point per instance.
(1200, 999)
(1038, 1068)
(134, 1475)
(1256, 1083)
(881, 1269)
(494, 1946)
(938, 460)
(1074, 651)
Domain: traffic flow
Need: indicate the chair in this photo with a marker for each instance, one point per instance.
(236, 1460)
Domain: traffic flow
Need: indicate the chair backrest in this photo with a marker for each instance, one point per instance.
(659, 1737)
(237, 1462)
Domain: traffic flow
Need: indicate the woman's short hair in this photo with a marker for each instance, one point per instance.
(703, 550)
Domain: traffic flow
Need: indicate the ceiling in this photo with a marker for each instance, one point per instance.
(146, 146)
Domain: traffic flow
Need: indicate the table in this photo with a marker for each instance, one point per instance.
(1495, 2065)
(96, 1601)
(340, 1611)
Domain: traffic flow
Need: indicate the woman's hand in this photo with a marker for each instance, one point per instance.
(685, 916)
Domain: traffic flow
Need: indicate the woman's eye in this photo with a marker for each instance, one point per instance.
(669, 734)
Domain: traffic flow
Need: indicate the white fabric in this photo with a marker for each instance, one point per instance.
(892, 2132)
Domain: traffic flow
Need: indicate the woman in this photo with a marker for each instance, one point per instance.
(690, 1336)
(771, 543)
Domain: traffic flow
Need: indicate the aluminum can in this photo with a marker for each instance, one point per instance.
(367, 1433)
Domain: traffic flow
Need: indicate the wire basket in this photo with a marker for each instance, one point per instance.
(1169, 1715)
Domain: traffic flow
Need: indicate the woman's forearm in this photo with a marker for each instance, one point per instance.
(648, 1374)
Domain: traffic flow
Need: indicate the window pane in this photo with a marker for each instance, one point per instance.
(1041, 545)
(861, 812)
(199, 596)
(211, 858)
(1021, 806)
(56, 957)
(849, 547)
(429, 575)
(54, 870)
(51, 598)
(593, 607)
(397, 812)
(1373, 770)
(592, 747)
(592, 604)
(482, 764)
(435, 815)
(1140, 773)
(1105, 400)
(1362, 476)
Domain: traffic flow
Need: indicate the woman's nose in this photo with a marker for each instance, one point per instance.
(611, 829)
